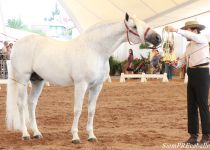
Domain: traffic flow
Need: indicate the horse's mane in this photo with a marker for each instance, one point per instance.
(100, 25)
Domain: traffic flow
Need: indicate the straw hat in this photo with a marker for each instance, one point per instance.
(193, 24)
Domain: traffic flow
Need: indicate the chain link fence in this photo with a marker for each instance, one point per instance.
(3, 66)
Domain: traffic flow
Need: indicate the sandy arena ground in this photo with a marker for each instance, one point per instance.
(129, 116)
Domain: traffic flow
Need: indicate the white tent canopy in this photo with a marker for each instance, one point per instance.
(155, 12)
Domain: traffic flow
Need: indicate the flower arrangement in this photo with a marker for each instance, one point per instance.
(141, 64)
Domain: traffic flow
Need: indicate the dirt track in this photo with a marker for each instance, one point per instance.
(129, 116)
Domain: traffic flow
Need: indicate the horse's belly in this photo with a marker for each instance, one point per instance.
(61, 82)
(56, 77)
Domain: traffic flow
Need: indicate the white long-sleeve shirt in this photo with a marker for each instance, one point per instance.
(197, 51)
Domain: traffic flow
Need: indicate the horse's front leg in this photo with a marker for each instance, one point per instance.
(79, 93)
(93, 96)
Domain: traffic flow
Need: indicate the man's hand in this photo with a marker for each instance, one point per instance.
(170, 29)
(174, 64)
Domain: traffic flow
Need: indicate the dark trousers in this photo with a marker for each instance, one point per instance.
(197, 97)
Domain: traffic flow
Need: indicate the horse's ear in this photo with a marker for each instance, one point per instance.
(126, 16)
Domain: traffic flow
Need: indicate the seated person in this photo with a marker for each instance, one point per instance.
(155, 62)
(155, 59)
(130, 61)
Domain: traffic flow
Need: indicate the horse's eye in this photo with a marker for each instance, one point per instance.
(135, 27)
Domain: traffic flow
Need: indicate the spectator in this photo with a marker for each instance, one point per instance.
(4, 49)
(170, 61)
(9, 48)
(130, 61)
(155, 61)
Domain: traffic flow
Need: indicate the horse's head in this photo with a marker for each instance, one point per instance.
(139, 32)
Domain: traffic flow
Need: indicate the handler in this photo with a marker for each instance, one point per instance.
(196, 58)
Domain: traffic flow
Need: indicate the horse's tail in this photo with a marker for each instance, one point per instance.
(12, 113)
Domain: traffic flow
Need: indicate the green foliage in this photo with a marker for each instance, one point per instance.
(56, 10)
(68, 32)
(54, 13)
(115, 66)
(137, 61)
(143, 62)
(16, 23)
(143, 46)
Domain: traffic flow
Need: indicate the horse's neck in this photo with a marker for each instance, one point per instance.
(107, 38)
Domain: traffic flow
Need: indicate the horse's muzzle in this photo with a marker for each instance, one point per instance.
(154, 39)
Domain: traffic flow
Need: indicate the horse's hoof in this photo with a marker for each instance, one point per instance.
(26, 138)
(92, 140)
(38, 137)
(75, 141)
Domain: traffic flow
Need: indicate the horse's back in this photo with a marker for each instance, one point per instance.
(38, 54)
(59, 62)
(33, 42)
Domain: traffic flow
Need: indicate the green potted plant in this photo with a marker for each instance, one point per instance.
(115, 66)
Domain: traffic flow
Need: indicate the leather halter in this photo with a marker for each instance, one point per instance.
(135, 33)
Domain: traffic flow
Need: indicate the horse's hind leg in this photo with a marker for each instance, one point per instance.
(22, 108)
(36, 90)
(93, 96)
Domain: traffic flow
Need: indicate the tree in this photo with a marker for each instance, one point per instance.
(16, 23)
(55, 12)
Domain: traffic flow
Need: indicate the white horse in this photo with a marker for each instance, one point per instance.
(82, 61)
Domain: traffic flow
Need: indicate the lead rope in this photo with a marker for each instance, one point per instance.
(188, 56)
(17, 81)
(167, 39)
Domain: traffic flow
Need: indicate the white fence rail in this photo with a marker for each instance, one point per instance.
(144, 77)
(185, 78)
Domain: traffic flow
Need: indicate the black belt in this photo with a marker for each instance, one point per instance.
(204, 65)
